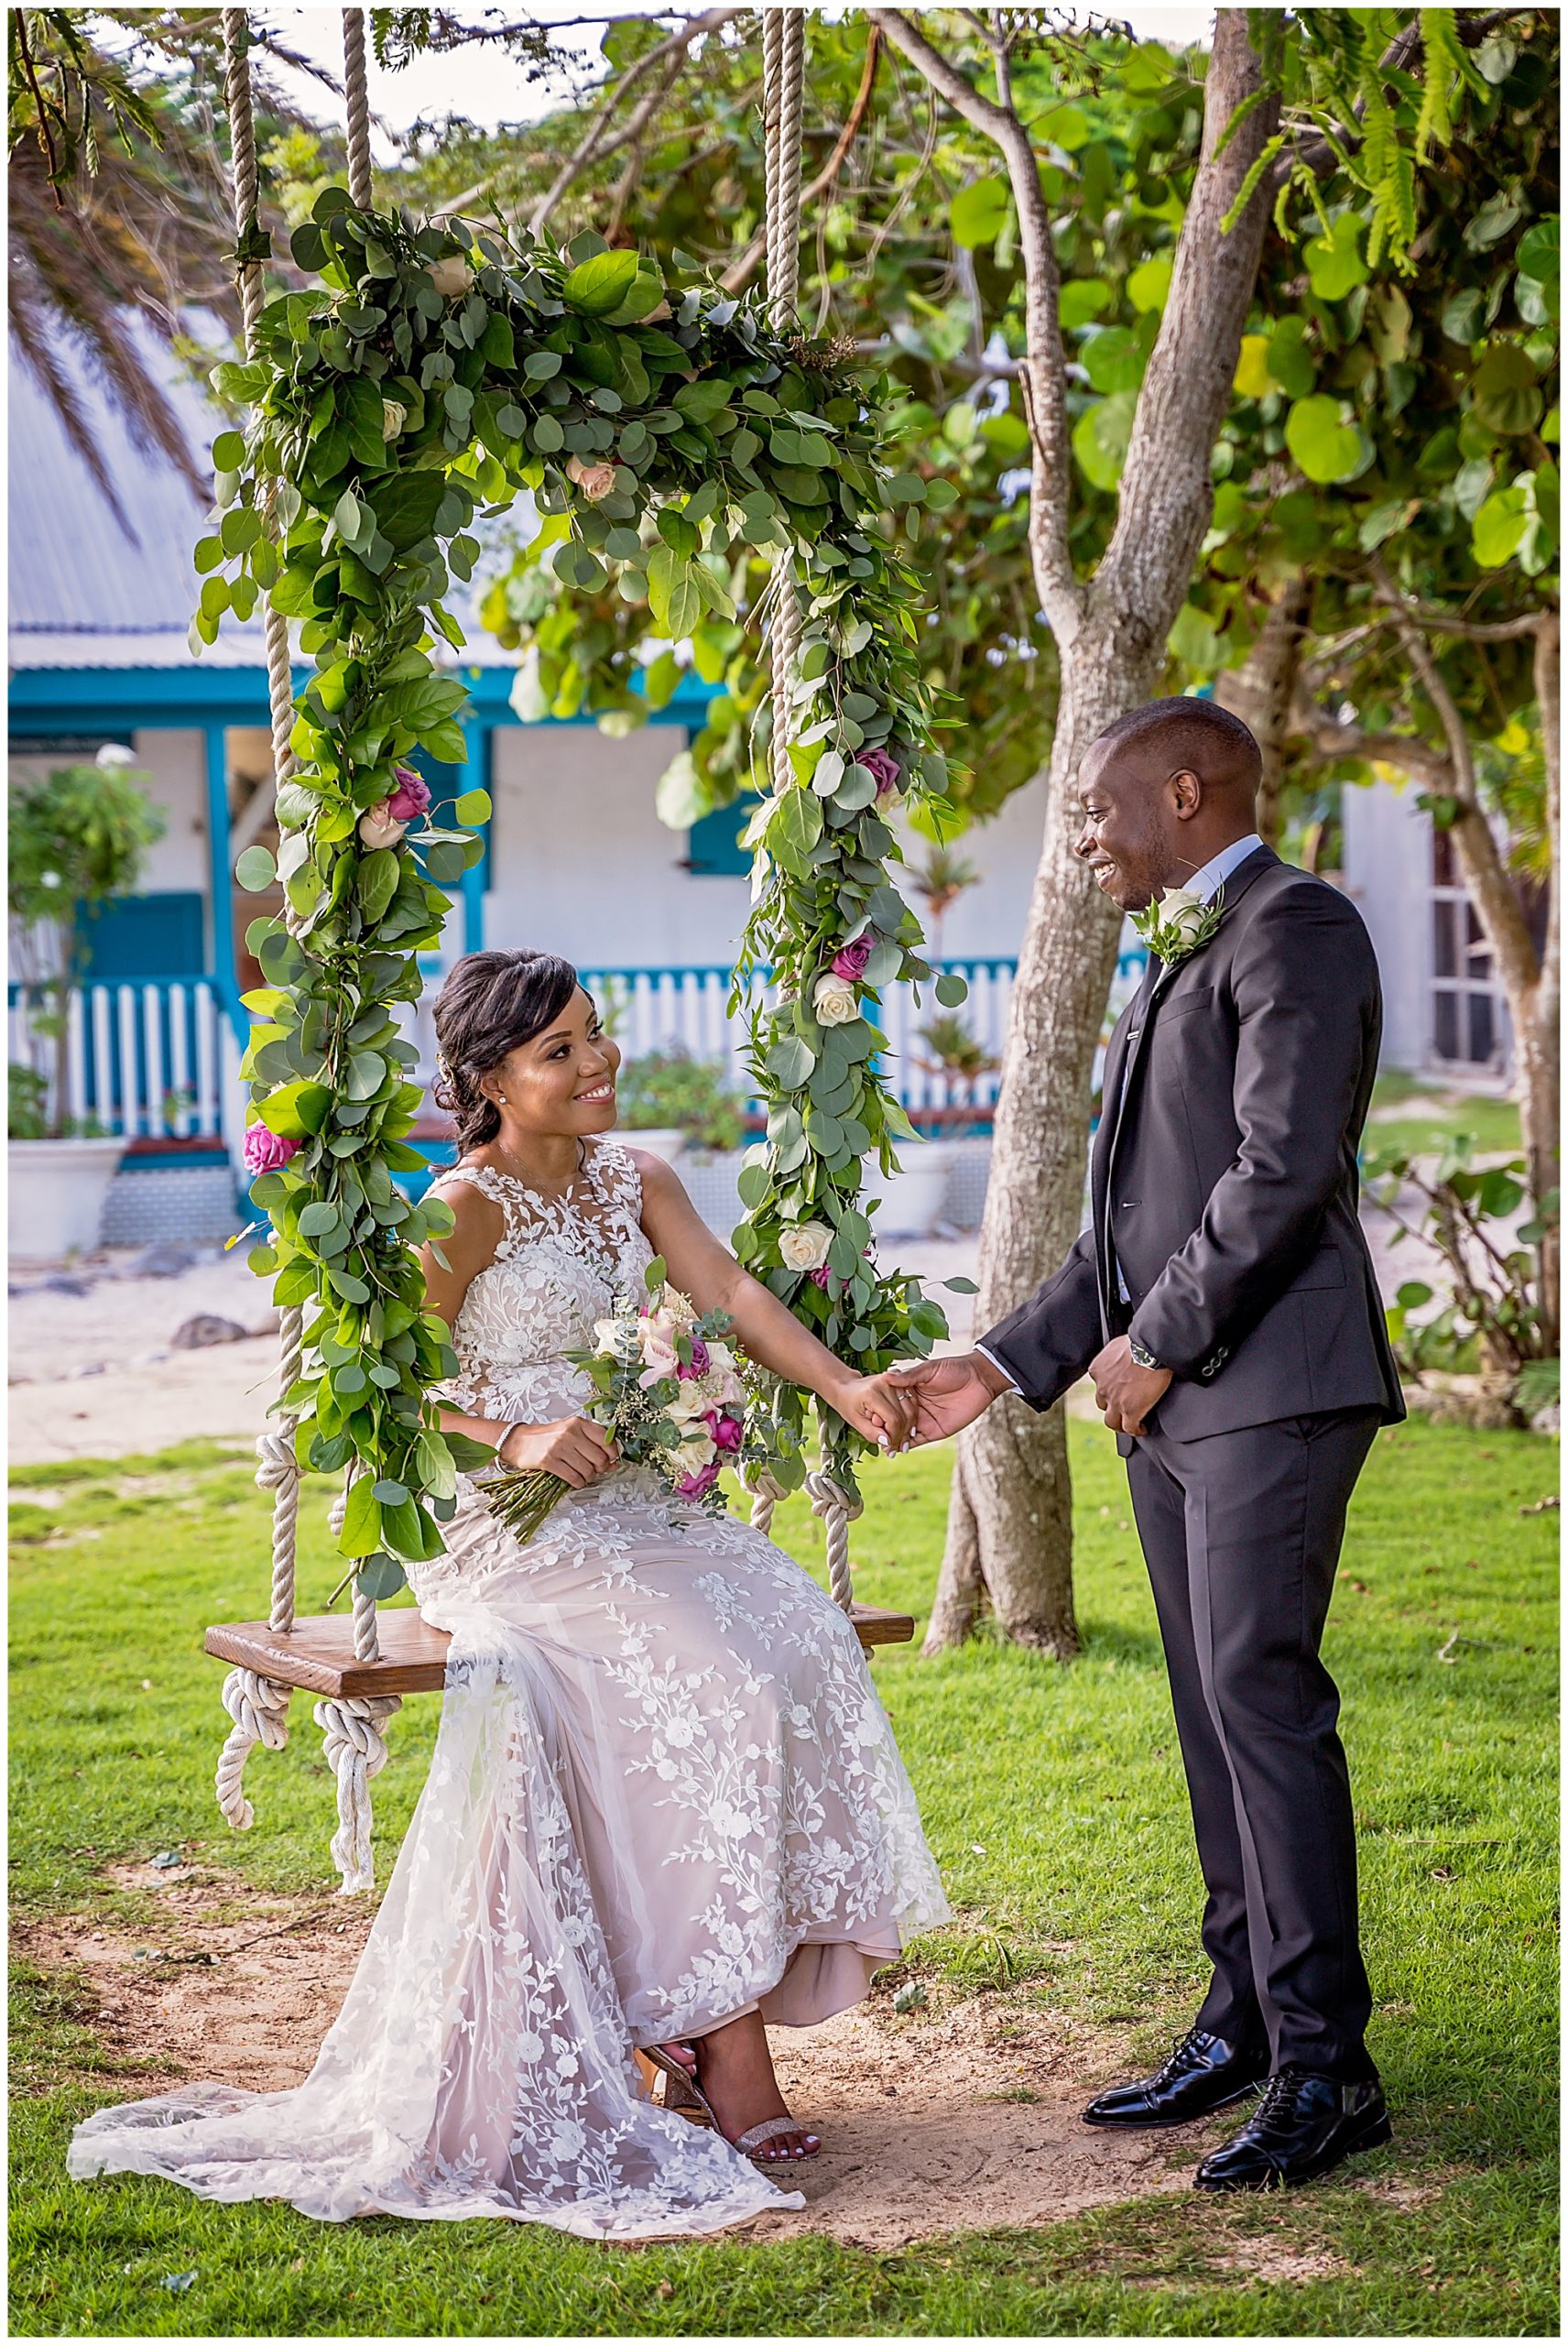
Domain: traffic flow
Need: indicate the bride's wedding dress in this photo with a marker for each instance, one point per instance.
(664, 1791)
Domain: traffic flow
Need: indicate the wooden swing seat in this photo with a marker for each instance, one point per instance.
(317, 1654)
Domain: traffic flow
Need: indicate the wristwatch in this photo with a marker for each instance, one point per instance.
(1141, 1355)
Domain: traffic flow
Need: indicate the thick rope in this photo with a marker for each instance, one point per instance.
(366, 1641)
(358, 97)
(356, 1753)
(258, 1706)
(278, 1469)
(783, 97)
(278, 1472)
(837, 1509)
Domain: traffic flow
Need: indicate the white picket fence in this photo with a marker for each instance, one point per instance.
(145, 1057)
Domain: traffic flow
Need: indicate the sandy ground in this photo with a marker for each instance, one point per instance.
(95, 1374)
(964, 2116)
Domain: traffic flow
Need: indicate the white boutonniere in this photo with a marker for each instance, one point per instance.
(1179, 923)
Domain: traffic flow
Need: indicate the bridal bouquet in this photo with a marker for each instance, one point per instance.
(666, 1388)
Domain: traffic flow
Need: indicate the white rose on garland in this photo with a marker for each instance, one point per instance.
(394, 416)
(803, 1246)
(450, 277)
(832, 998)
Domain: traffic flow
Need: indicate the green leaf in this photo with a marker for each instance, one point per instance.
(381, 1577)
(600, 285)
(1114, 359)
(1082, 299)
(795, 828)
(791, 1061)
(979, 212)
(1334, 262)
(1101, 438)
(1499, 529)
(362, 1519)
(674, 598)
(296, 1110)
(699, 402)
(950, 989)
(1504, 391)
(473, 808)
(256, 869)
(1326, 447)
(1150, 284)
(378, 882)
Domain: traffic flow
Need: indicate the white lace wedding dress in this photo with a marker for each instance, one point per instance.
(664, 1791)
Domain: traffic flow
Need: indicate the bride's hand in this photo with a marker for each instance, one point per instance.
(877, 1408)
(575, 1449)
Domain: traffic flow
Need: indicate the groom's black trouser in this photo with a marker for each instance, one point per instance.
(1242, 1534)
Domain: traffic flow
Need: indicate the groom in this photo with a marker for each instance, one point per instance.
(1225, 1303)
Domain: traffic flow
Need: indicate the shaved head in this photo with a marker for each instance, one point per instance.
(1164, 789)
(1196, 735)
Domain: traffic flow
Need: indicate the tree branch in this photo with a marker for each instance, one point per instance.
(1167, 489)
(1043, 375)
(1486, 879)
(592, 147)
(740, 272)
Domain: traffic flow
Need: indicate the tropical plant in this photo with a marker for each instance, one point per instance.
(671, 1088)
(955, 1052)
(77, 840)
(1469, 1215)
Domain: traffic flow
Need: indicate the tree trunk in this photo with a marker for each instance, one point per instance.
(1542, 1121)
(1010, 1514)
(1261, 692)
(1012, 1496)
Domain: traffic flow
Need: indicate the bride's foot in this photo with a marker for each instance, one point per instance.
(734, 2073)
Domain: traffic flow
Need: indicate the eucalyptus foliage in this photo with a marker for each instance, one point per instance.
(665, 432)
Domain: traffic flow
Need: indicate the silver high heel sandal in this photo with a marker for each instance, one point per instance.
(683, 2094)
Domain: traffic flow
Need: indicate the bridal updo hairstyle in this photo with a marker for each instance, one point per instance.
(490, 1003)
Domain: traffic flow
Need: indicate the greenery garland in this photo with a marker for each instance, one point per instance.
(665, 431)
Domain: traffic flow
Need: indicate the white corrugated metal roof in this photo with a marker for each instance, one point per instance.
(84, 594)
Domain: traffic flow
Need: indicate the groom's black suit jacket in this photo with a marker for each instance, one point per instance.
(1223, 1177)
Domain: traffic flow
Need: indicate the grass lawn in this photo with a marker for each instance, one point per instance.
(1429, 1117)
(1442, 1639)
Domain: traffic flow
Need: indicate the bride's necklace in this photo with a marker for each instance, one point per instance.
(556, 1196)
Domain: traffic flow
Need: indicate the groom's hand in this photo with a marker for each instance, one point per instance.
(1126, 1392)
(948, 1393)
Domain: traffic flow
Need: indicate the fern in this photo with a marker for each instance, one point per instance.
(1444, 63)
(1249, 186)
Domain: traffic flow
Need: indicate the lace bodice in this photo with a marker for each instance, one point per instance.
(560, 1265)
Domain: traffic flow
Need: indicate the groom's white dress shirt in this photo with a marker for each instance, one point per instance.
(1205, 883)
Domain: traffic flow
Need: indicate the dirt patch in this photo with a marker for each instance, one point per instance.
(956, 2119)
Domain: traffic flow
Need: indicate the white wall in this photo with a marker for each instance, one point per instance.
(174, 764)
(580, 865)
(177, 762)
(1388, 875)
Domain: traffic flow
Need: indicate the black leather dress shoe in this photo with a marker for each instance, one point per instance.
(1306, 2125)
(1203, 2074)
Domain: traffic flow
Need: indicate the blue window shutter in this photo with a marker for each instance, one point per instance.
(144, 936)
(714, 848)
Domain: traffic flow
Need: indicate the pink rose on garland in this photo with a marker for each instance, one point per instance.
(822, 1276)
(850, 960)
(266, 1151)
(411, 797)
(883, 767)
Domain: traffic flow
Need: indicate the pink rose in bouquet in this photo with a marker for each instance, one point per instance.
(727, 1431)
(697, 1366)
(883, 768)
(655, 1334)
(264, 1150)
(692, 1486)
(850, 960)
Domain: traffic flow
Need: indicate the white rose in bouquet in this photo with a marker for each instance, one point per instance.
(832, 998)
(804, 1245)
(617, 1337)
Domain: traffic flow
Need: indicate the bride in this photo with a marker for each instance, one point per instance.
(664, 1807)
